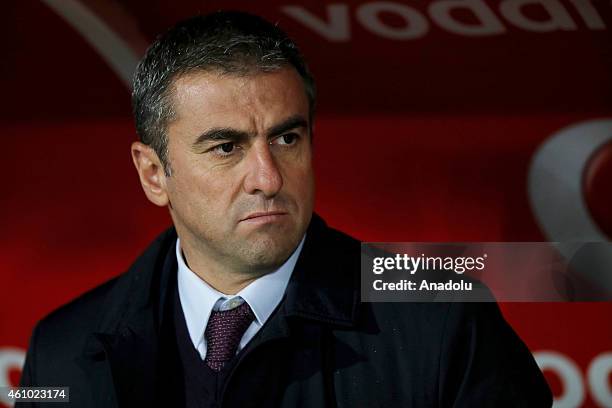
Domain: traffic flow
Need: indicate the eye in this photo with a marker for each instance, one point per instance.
(225, 149)
(286, 139)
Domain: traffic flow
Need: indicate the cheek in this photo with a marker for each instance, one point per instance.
(189, 194)
(303, 181)
(213, 197)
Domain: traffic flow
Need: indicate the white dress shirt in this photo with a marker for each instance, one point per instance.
(198, 299)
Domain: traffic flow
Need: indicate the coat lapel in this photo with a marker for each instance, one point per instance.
(96, 370)
(296, 343)
(120, 358)
(132, 359)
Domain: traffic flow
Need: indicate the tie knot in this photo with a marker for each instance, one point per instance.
(224, 332)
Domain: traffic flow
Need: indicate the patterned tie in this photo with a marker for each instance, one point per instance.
(223, 334)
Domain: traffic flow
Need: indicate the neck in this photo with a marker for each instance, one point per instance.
(228, 285)
(221, 276)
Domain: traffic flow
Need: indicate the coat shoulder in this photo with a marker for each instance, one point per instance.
(66, 327)
(82, 311)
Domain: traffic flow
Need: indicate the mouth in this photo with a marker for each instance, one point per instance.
(263, 217)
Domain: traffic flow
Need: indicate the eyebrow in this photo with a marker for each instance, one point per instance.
(217, 134)
(293, 122)
(235, 135)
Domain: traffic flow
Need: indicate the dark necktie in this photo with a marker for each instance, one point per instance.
(223, 334)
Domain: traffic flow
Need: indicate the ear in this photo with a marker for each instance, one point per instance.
(151, 173)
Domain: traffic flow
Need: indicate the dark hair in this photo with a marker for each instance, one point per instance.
(228, 42)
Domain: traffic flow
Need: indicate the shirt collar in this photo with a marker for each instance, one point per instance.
(198, 298)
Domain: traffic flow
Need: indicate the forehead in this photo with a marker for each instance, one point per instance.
(206, 99)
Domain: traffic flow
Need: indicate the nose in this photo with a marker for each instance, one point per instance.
(263, 175)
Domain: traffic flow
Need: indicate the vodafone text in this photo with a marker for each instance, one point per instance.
(338, 21)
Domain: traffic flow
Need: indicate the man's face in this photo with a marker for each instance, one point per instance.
(241, 187)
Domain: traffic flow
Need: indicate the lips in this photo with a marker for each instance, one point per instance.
(263, 215)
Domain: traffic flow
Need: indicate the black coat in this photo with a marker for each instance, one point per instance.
(321, 347)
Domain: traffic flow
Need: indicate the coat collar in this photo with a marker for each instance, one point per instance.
(323, 287)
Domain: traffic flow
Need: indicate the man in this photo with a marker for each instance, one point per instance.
(251, 300)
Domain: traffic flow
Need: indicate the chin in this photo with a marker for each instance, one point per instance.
(270, 254)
